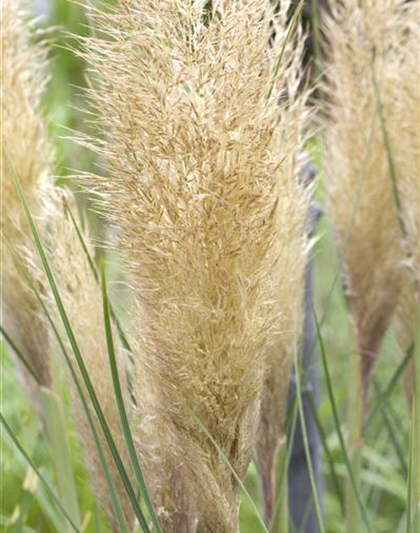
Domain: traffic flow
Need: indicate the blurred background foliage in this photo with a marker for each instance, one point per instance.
(25, 505)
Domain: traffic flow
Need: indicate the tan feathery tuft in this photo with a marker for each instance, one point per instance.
(366, 40)
(202, 182)
(25, 150)
(406, 137)
(406, 152)
(288, 278)
(82, 300)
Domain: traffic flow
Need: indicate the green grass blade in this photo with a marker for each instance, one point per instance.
(121, 408)
(384, 395)
(338, 428)
(283, 48)
(56, 428)
(355, 445)
(414, 481)
(290, 430)
(112, 490)
(21, 357)
(330, 460)
(50, 489)
(69, 332)
(392, 431)
(113, 493)
(283, 458)
(390, 159)
(55, 423)
(409, 479)
(306, 446)
(97, 519)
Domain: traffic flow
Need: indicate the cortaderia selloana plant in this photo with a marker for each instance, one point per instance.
(25, 151)
(293, 246)
(203, 124)
(367, 44)
(406, 153)
(371, 162)
(69, 250)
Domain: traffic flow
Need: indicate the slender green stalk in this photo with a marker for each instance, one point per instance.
(282, 462)
(385, 393)
(413, 518)
(56, 428)
(283, 48)
(354, 485)
(283, 466)
(355, 444)
(97, 519)
(390, 159)
(20, 355)
(50, 489)
(306, 446)
(113, 493)
(121, 409)
(330, 460)
(385, 410)
(409, 479)
(55, 421)
(88, 384)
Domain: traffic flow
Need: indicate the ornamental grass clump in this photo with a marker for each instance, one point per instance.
(81, 296)
(25, 152)
(406, 137)
(406, 153)
(367, 44)
(288, 276)
(201, 131)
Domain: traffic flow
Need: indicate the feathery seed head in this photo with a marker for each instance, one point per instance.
(203, 184)
(24, 150)
(367, 42)
(406, 138)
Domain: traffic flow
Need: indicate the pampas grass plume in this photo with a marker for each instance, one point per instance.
(406, 137)
(24, 150)
(366, 44)
(201, 178)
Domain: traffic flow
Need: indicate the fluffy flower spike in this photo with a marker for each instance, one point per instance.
(203, 184)
(367, 44)
(24, 150)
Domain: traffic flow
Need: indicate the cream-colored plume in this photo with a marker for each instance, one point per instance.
(82, 300)
(366, 42)
(406, 152)
(406, 137)
(293, 247)
(201, 142)
(24, 150)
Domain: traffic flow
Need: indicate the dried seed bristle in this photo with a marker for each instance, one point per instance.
(203, 185)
